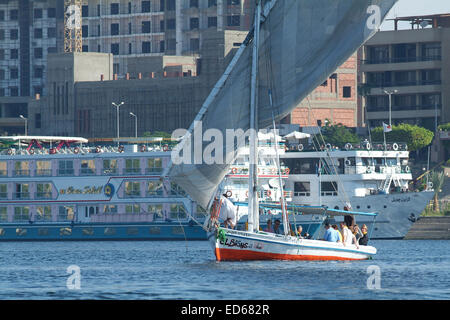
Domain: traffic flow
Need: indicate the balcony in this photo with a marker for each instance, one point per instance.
(403, 108)
(402, 60)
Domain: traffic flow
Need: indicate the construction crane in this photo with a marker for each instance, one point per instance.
(73, 39)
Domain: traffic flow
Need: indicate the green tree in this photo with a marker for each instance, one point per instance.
(157, 134)
(414, 136)
(338, 135)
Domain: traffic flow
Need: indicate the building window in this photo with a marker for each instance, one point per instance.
(2, 34)
(22, 191)
(38, 33)
(161, 26)
(146, 27)
(212, 3)
(85, 11)
(194, 23)
(146, 47)
(43, 168)
(85, 48)
(171, 24)
(234, 21)
(145, 6)
(14, 73)
(114, 8)
(171, 6)
(2, 54)
(51, 12)
(212, 22)
(2, 15)
(14, 91)
(38, 13)
(115, 48)
(14, 14)
(154, 165)
(51, 33)
(114, 29)
(85, 31)
(162, 46)
(195, 44)
(431, 51)
(193, 3)
(14, 34)
(38, 53)
(14, 54)
(130, 48)
(347, 92)
(38, 72)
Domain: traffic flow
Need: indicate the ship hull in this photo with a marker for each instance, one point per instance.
(236, 245)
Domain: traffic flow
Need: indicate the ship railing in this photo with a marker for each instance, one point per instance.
(132, 171)
(21, 195)
(376, 146)
(87, 172)
(65, 172)
(302, 194)
(243, 170)
(43, 172)
(21, 173)
(43, 195)
(156, 170)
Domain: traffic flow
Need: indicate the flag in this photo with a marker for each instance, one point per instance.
(387, 127)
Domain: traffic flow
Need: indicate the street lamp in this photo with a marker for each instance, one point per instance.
(26, 124)
(135, 123)
(117, 107)
(390, 93)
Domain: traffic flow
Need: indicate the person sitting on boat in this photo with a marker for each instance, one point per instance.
(365, 238)
(330, 234)
(335, 227)
(228, 212)
(276, 228)
(357, 232)
(269, 227)
(348, 238)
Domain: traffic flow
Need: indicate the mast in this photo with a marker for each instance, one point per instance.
(253, 205)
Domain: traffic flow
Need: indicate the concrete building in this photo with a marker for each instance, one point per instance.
(164, 92)
(413, 66)
(335, 99)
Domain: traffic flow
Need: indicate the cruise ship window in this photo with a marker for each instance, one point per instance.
(3, 171)
(65, 213)
(132, 208)
(132, 166)
(43, 213)
(3, 214)
(328, 188)
(132, 189)
(110, 166)
(65, 167)
(22, 191)
(21, 168)
(176, 190)
(302, 189)
(109, 208)
(154, 165)
(21, 213)
(156, 210)
(3, 191)
(43, 168)
(177, 211)
(154, 188)
(87, 167)
(44, 191)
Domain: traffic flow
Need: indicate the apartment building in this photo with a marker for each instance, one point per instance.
(412, 67)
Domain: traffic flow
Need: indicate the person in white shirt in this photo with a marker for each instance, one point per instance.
(227, 212)
(348, 238)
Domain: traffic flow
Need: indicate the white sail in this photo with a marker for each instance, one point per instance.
(301, 43)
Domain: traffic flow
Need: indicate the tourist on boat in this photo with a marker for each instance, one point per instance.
(365, 238)
(276, 228)
(357, 232)
(335, 227)
(228, 212)
(330, 234)
(269, 227)
(348, 236)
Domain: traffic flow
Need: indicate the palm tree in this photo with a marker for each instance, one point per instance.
(438, 181)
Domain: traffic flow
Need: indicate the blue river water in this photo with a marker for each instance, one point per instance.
(187, 270)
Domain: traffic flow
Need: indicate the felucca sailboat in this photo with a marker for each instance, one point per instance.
(293, 47)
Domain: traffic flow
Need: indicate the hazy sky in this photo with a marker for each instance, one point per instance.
(405, 8)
